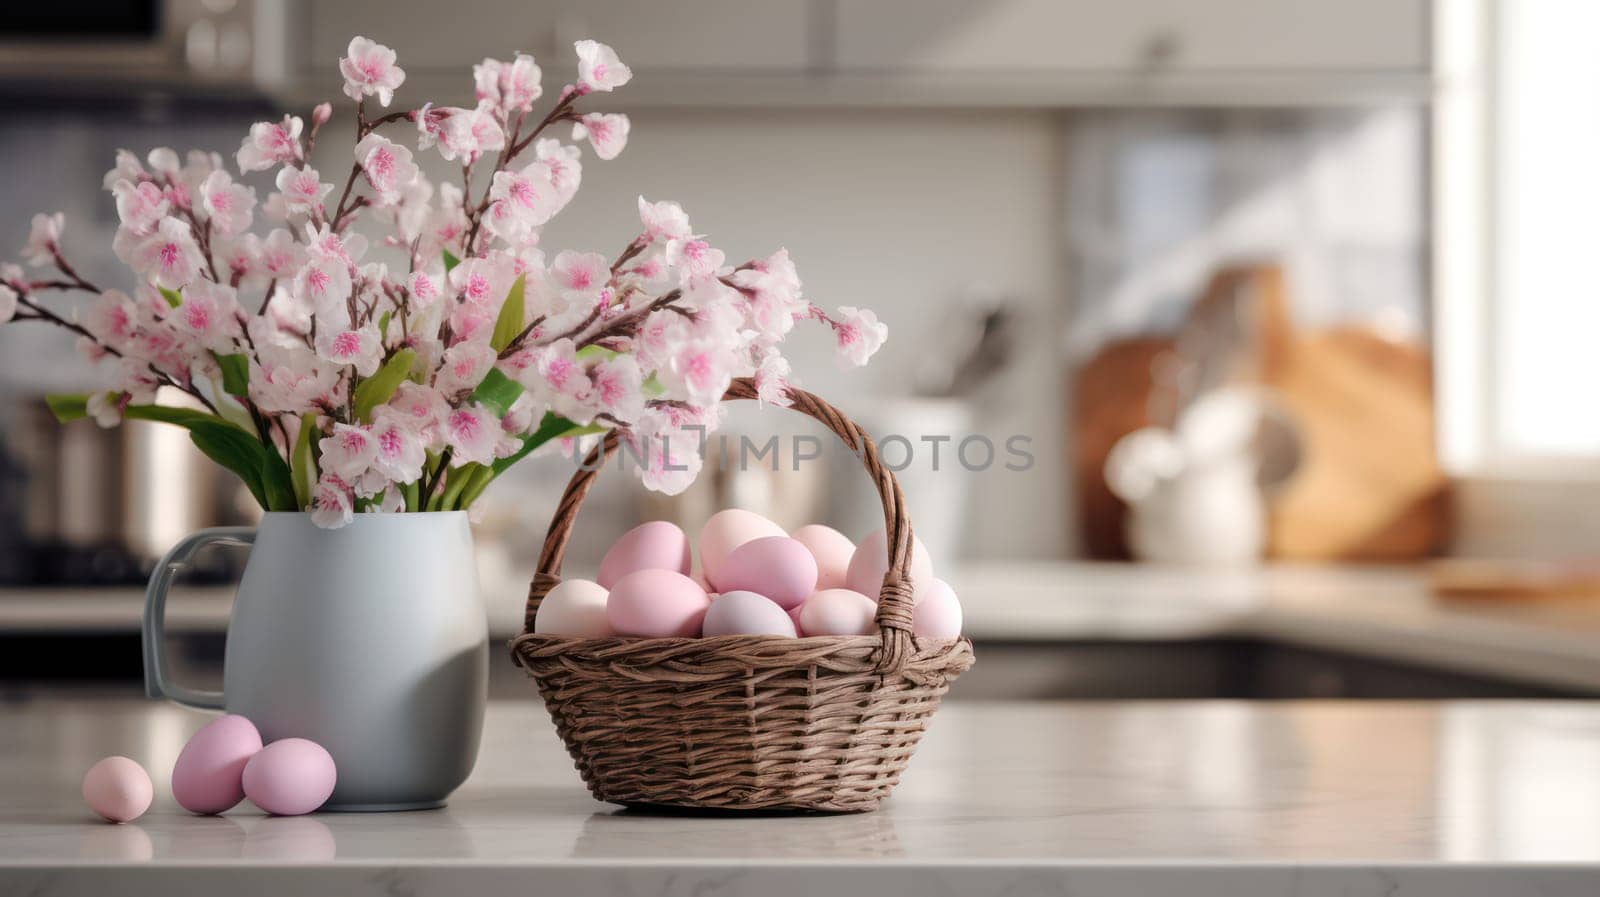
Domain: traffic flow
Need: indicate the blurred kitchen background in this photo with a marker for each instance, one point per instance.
(1288, 302)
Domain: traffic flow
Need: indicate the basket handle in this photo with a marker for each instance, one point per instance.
(894, 598)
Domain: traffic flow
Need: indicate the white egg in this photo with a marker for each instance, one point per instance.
(575, 608)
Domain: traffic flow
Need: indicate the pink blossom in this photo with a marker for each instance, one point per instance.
(387, 165)
(230, 205)
(695, 259)
(421, 407)
(427, 285)
(460, 133)
(8, 303)
(44, 239)
(668, 453)
(210, 314)
(348, 452)
(169, 256)
(464, 366)
(664, 220)
(359, 347)
(128, 168)
(482, 281)
(526, 199)
(857, 335)
(772, 379)
(140, 207)
(563, 170)
(580, 275)
(608, 134)
(509, 86)
(472, 432)
(617, 387)
(323, 283)
(320, 114)
(302, 189)
(369, 68)
(332, 502)
(281, 256)
(270, 143)
(400, 453)
(289, 379)
(599, 68)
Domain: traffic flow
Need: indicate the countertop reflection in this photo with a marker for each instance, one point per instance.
(997, 786)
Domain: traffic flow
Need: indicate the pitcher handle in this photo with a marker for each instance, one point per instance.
(157, 676)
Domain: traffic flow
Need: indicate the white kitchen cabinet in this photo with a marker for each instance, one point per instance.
(1095, 36)
(650, 36)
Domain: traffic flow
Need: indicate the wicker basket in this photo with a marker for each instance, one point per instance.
(744, 722)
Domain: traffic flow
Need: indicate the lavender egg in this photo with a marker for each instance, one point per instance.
(938, 616)
(778, 567)
(832, 551)
(725, 531)
(838, 612)
(209, 775)
(657, 545)
(871, 561)
(746, 613)
(657, 604)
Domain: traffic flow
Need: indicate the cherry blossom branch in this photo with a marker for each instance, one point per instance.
(624, 323)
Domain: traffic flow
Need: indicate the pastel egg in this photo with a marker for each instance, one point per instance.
(778, 567)
(746, 613)
(832, 550)
(838, 612)
(725, 531)
(209, 775)
(575, 608)
(871, 561)
(657, 545)
(657, 604)
(290, 777)
(794, 614)
(938, 615)
(118, 789)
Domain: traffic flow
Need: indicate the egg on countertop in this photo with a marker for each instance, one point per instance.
(657, 604)
(778, 567)
(575, 608)
(208, 777)
(746, 613)
(290, 777)
(118, 789)
(938, 616)
(726, 530)
(871, 561)
(832, 551)
(657, 545)
(838, 612)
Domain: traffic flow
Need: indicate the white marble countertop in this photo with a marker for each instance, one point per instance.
(1384, 612)
(1194, 798)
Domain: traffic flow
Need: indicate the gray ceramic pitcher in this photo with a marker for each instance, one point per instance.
(370, 640)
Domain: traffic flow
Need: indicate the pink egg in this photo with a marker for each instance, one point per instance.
(746, 613)
(838, 612)
(871, 561)
(832, 550)
(725, 531)
(657, 545)
(794, 614)
(938, 615)
(209, 775)
(290, 777)
(775, 566)
(575, 608)
(657, 604)
(118, 789)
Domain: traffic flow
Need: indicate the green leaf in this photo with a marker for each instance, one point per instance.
(303, 464)
(652, 386)
(173, 297)
(380, 387)
(450, 261)
(553, 426)
(235, 373)
(497, 392)
(509, 324)
(181, 417)
(69, 407)
(383, 323)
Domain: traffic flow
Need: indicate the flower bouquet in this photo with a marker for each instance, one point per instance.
(339, 374)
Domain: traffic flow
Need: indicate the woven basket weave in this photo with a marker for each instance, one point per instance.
(744, 722)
